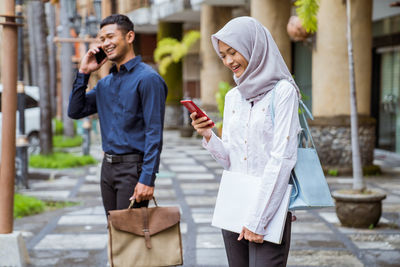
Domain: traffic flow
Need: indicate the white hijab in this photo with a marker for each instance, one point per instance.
(265, 64)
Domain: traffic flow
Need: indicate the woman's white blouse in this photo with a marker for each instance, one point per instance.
(252, 144)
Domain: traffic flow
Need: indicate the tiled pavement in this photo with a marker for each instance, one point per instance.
(76, 236)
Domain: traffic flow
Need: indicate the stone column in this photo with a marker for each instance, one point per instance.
(330, 82)
(212, 71)
(108, 7)
(274, 15)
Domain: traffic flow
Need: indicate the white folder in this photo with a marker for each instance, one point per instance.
(236, 192)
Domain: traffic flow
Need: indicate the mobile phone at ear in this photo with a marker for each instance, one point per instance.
(192, 107)
(100, 56)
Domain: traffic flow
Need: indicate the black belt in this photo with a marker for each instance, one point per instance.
(123, 158)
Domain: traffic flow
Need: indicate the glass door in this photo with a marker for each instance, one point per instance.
(389, 110)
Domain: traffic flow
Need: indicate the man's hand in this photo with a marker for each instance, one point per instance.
(142, 192)
(250, 236)
(89, 63)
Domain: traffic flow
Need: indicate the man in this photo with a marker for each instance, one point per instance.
(130, 102)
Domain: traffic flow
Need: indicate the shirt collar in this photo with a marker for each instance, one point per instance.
(128, 65)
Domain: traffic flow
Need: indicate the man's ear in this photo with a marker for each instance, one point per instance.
(130, 37)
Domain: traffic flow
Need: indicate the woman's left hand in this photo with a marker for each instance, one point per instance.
(250, 236)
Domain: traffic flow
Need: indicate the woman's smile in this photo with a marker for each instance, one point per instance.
(232, 59)
(235, 68)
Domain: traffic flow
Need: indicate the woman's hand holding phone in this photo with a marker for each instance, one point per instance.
(202, 125)
(200, 121)
(93, 60)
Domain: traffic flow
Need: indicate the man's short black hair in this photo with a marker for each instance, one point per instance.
(123, 22)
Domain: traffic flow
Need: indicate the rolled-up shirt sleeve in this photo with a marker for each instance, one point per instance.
(81, 104)
(281, 162)
(153, 93)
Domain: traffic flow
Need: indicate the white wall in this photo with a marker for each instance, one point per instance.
(382, 9)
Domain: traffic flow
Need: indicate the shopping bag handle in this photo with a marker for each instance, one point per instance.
(295, 190)
(300, 136)
(133, 202)
(303, 110)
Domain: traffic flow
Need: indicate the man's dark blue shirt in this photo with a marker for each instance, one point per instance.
(131, 106)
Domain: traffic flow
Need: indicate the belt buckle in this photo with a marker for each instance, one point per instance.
(109, 158)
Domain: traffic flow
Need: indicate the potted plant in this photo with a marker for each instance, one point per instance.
(300, 27)
(223, 88)
(356, 207)
(296, 30)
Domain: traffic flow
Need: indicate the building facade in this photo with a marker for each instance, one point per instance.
(319, 65)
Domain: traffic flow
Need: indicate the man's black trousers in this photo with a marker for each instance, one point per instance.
(118, 181)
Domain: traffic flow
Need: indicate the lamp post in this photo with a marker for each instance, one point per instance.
(91, 25)
(91, 29)
(67, 12)
(97, 9)
(22, 141)
(13, 248)
(8, 108)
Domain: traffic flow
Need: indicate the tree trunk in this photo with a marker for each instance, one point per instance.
(358, 183)
(51, 26)
(32, 49)
(66, 69)
(46, 142)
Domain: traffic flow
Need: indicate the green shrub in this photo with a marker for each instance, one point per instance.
(53, 205)
(333, 172)
(223, 88)
(307, 11)
(25, 206)
(59, 127)
(371, 170)
(60, 160)
(64, 141)
(218, 124)
(170, 50)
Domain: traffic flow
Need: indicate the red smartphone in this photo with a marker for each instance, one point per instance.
(192, 107)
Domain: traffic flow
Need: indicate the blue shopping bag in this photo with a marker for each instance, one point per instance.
(310, 189)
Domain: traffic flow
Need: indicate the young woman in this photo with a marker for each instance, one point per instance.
(251, 141)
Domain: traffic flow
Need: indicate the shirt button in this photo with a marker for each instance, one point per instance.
(245, 158)
(263, 109)
(233, 111)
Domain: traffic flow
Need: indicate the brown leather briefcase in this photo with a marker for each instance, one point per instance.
(144, 237)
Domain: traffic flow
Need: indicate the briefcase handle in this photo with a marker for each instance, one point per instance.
(133, 202)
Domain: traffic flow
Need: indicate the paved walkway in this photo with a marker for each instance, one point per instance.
(77, 236)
